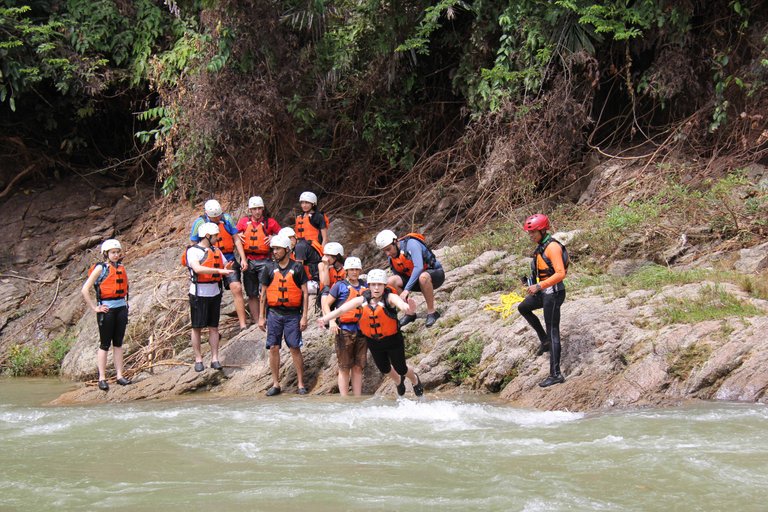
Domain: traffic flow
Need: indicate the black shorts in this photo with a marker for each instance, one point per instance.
(204, 311)
(389, 353)
(233, 277)
(306, 253)
(112, 326)
(251, 278)
(437, 275)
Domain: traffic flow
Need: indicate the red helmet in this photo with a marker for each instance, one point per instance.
(536, 222)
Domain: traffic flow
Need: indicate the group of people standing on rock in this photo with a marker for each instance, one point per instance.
(280, 267)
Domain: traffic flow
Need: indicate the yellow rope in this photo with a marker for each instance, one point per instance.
(507, 307)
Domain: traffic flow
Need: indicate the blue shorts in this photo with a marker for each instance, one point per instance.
(283, 325)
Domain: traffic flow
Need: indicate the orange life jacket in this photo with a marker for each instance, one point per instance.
(403, 264)
(353, 316)
(212, 258)
(112, 284)
(255, 238)
(225, 243)
(336, 275)
(380, 320)
(283, 290)
(306, 231)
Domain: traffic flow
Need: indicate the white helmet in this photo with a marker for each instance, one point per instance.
(280, 241)
(256, 202)
(377, 276)
(333, 249)
(212, 208)
(110, 244)
(289, 232)
(208, 228)
(353, 262)
(385, 238)
(309, 197)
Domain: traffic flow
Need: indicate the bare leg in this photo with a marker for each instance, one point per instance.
(357, 381)
(298, 363)
(197, 335)
(117, 358)
(425, 283)
(396, 282)
(253, 307)
(343, 382)
(274, 365)
(237, 296)
(213, 341)
(101, 363)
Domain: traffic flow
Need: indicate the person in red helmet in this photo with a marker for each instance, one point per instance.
(545, 290)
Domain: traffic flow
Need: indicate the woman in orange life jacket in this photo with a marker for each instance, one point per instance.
(206, 269)
(331, 268)
(284, 291)
(229, 244)
(378, 324)
(311, 233)
(351, 347)
(110, 281)
(415, 269)
(545, 290)
(255, 232)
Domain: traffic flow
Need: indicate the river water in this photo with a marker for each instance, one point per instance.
(328, 454)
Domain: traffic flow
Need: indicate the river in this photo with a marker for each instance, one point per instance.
(328, 454)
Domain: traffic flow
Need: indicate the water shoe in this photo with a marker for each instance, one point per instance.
(401, 386)
(274, 390)
(123, 381)
(418, 388)
(216, 365)
(103, 385)
(549, 381)
(432, 318)
(199, 366)
(407, 319)
(302, 391)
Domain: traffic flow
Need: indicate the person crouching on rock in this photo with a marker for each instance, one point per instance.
(110, 281)
(548, 271)
(284, 291)
(351, 348)
(207, 266)
(415, 268)
(378, 324)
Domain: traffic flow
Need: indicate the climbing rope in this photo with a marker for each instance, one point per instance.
(508, 305)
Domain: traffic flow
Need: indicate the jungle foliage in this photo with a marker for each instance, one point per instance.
(451, 94)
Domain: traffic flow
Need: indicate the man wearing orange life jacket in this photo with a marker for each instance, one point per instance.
(207, 267)
(416, 269)
(284, 306)
(351, 348)
(229, 244)
(378, 324)
(110, 280)
(255, 231)
(311, 233)
(546, 290)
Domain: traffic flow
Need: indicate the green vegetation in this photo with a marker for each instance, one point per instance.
(465, 358)
(506, 236)
(713, 303)
(684, 360)
(488, 285)
(26, 360)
